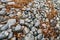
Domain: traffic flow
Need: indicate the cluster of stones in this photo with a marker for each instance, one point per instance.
(29, 20)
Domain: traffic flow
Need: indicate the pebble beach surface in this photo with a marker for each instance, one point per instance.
(29, 19)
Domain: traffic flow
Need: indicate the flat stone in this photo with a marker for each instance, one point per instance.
(5, 27)
(18, 28)
(11, 22)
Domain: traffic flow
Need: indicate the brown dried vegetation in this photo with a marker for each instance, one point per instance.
(18, 4)
(49, 31)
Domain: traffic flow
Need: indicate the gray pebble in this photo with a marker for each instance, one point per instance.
(29, 37)
(5, 27)
(11, 22)
(18, 28)
(40, 36)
